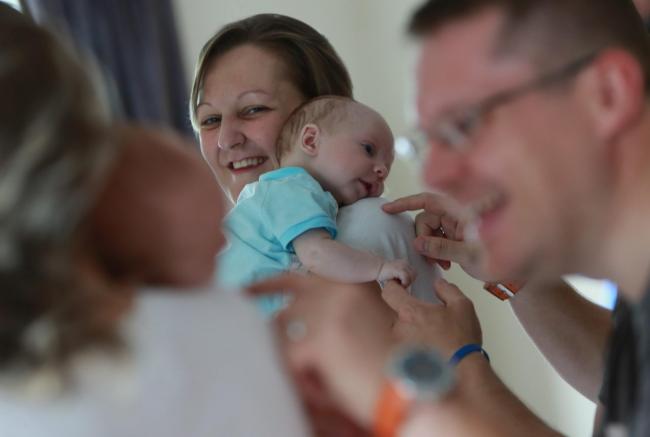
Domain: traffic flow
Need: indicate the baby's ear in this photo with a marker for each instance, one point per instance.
(309, 139)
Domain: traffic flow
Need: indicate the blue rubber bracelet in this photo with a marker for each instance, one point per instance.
(466, 350)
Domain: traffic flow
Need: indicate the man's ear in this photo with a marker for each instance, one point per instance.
(617, 95)
(309, 139)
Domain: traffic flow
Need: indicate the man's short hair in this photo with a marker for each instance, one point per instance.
(549, 32)
(325, 112)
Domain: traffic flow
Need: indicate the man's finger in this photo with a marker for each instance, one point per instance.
(413, 202)
(442, 248)
(450, 226)
(426, 224)
(427, 201)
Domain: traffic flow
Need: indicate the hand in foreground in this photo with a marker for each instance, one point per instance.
(337, 336)
(399, 270)
(439, 235)
(445, 326)
(324, 415)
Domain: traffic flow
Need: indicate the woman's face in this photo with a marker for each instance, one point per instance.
(245, 100)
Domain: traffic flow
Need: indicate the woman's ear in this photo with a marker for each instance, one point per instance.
(617, 93)
(309, 139)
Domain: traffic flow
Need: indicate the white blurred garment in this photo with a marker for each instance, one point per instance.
(201, 364)
(364, 225)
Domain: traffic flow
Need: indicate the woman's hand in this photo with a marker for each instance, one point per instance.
(439, 235)
(336, 338)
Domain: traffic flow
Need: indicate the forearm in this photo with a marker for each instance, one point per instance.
(333, 260)
(569, 330)
(481, 406)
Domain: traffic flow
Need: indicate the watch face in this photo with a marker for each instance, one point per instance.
(420, 366)
(423, 373)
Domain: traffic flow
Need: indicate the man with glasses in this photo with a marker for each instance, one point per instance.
(551, 169)
(537, 123)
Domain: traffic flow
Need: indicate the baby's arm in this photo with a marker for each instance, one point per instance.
(331, 259)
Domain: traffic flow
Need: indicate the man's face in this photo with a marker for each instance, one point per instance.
(530, 179)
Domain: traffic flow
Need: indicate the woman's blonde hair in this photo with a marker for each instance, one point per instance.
(54, 150)
(313, 65)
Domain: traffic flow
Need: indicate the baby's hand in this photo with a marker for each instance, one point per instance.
(397, 269)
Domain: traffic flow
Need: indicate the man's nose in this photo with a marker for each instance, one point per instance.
(443, 168)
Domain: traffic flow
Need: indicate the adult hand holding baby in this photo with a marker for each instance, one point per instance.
(339, 353)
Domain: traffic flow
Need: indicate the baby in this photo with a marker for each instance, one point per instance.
(332, 151)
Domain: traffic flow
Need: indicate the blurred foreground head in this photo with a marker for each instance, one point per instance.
(54, 150)
(88, 211)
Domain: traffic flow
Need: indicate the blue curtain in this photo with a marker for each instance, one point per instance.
(135, 42)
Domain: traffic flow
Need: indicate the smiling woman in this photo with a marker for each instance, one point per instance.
(241, 112)
(249, 77)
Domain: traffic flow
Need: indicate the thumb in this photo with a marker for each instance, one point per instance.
(448, 293)
(395, 295)
(445, 249)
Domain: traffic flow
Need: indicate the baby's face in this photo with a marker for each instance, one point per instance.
(355, 156)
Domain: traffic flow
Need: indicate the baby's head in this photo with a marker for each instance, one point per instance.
(346, 146)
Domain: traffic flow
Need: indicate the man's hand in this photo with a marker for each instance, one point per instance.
(445, 326)
(440, 236)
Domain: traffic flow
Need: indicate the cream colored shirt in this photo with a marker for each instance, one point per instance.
(201, 365)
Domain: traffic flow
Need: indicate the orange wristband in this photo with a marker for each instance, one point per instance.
(503, 290)
(390, 412)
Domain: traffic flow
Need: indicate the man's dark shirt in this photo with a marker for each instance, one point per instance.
(626, 389)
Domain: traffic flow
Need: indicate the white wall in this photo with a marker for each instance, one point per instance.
(369, 36)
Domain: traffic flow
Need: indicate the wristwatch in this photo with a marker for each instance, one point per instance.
(413, 375)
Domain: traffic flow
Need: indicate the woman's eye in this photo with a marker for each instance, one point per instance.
(211, 121)
(254, 110)
(369, 149)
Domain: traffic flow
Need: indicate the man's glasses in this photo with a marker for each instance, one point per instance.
(456, 129)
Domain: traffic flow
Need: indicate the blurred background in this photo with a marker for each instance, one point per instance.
(148, 49)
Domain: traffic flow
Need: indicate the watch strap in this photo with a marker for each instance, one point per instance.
(503, 290)
(390, 411)
(465, 350)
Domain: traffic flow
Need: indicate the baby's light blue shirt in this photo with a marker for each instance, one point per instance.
(268, 216)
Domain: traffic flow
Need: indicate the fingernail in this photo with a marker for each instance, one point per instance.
(441, 281)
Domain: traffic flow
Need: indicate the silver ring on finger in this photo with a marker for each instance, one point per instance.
(296, 330)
